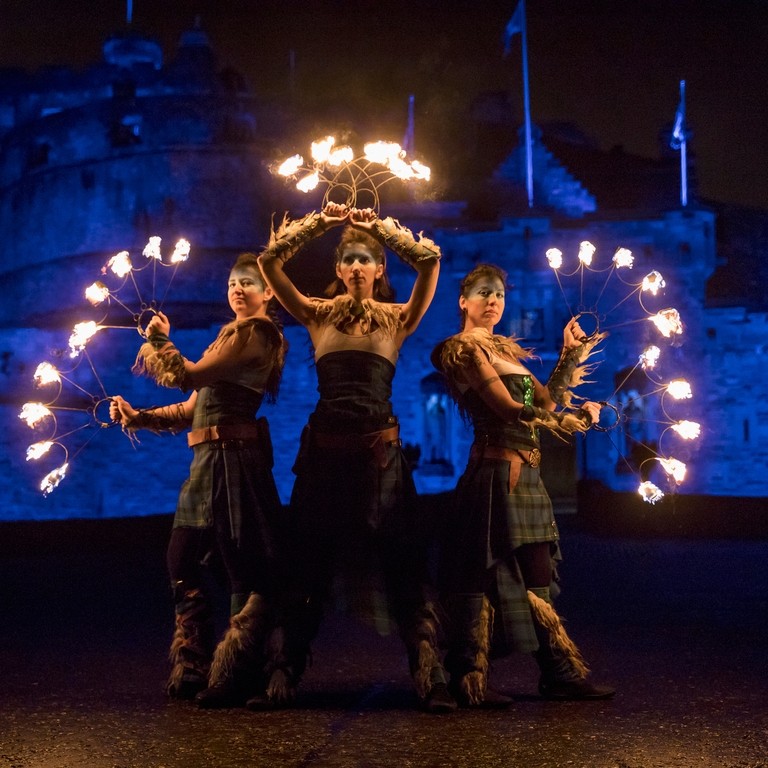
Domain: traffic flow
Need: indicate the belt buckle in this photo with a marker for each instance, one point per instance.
(535, 457)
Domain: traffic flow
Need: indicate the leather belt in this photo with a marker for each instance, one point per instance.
(376, 442)
(223, 432)
(353, 442)
(514, 456)
(532, 457)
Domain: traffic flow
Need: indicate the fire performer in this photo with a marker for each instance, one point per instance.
(229, 502)
(502, 539)
(352, 505)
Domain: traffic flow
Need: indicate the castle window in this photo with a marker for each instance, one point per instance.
(437, 409)
(637, 442)
(126, 132)
(528, 324)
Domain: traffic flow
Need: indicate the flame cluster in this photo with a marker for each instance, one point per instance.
(339, 167)
(669, 325)
(41, 416)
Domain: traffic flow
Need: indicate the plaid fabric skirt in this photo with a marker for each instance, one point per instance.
(487, 524)
(356, 542)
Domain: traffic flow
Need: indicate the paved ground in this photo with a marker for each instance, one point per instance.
(679, 626)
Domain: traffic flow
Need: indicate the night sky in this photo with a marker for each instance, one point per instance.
(612, 67)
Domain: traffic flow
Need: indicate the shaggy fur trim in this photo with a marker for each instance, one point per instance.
(242, 641)
(458, 353)
(342, 310)
(246, 330)
(166, 365)
(562, 645)
(572, 370)
(401, 241)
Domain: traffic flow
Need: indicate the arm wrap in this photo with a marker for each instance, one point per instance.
(161, 361)
(559, 423)
(291, 236)
(168, 418)
(571, 371)
(400, 240)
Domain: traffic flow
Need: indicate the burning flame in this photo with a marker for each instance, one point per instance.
(309, 182)
(555, 258)
(650, 492)
(680, 389)
(649, 358)
(180, 251)
(34, 413)
(688, 430)
(586, 252)
(96, 293)
(668, 322)
(81, 334)
(321, 149)
(45, 373)
(120, 264)
(291, 166)
(340, 155)
(674, 468)
(653, 282)
(623, 258)
(152, 248)
(37, 450)
(53, 478)
(420, 171)
(382, 152)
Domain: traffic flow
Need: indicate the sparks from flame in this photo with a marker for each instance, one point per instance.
(679, 389)
(81, 335)
(34, 413)
(674, 468)
(649, 357)
(37, 450)
(53, 478)
(96, 293)
(653, 282)
(45, 373)
(152, 248)
(180, 251)
(586, 252)
(623, 258)
(120, 264)
(650, 492)
(668, 322)
(554, 257)
(688, 430)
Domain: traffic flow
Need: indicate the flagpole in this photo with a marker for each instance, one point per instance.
(683, 153)
(527, 108)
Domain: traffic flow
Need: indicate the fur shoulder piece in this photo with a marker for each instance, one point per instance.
(342, 310)
(247, 329)
(276, 346)
(458, 352)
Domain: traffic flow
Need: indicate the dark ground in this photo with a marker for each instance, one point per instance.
(680, 626)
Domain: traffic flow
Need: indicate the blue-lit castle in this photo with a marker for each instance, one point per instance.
(98, 162)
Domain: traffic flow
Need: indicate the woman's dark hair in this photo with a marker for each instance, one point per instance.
(480, 272)
(382, 289)
(250, 260)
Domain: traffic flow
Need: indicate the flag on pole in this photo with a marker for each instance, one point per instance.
(514, 26)
(679, 130)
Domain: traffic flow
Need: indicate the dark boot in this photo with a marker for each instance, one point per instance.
(238, 661)
(192, 644)
(287, 652)
(563, 670)
(469, 646)
(419, 633)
